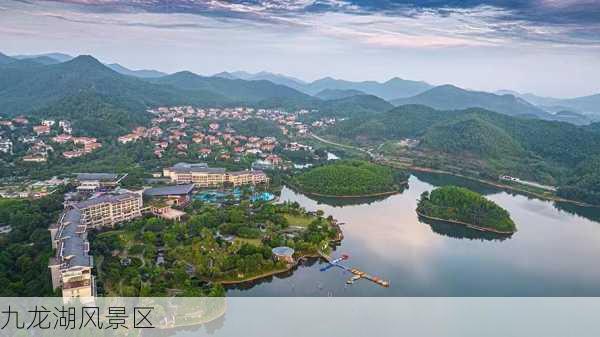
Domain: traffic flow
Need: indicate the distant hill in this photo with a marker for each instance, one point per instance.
(353, 106)
(585, 105)
(4, 59)
(235, 89)
(143, 73)
(389, 90)
(452, 97)
(288, 81)
(60, 57)
(329, 94)
(27, 88)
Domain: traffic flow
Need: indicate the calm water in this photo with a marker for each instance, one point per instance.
(556, 251)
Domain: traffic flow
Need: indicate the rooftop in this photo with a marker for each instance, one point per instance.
(283, 251)
(169, 190)
(105, 198)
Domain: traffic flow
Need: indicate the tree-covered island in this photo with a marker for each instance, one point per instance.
(350, 178)
(462, 206)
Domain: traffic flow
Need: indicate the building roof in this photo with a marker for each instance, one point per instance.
(73, 240)
(97, 176)
(169, 190)
(283, 251)
(105, 198)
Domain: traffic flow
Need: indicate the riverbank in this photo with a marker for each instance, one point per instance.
(468, 225)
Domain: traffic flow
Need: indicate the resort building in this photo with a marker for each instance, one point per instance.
(92, 182)
(178, 195)
(110, 209)
(202, 176)
(71, 268)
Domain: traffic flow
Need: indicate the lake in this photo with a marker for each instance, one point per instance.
(555, 252)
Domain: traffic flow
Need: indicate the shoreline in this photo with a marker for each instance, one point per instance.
(492, 183)
(483, 181)
(370, 195)
(468, 225)
(270, 273)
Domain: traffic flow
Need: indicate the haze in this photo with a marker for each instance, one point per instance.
(545, 47)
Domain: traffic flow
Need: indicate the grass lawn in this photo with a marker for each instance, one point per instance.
(299, 220)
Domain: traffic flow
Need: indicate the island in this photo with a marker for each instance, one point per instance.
(462, 206)
(350, 178)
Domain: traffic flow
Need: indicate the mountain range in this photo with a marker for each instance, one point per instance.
(267, 90)
(452, 97)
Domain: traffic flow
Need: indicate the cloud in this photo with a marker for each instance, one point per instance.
(385, 23)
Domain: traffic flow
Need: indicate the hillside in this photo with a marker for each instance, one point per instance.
(353, 106)
(236, 90)
(350, 178)
(23, 89)
(4, 59)
(329, 94)
(142, 73)
(460, 205)
(451, 97)
(545, 151)
(288, 81)
(472, 135)
(389, 90)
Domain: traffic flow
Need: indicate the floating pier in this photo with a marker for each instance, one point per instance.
(357, 274)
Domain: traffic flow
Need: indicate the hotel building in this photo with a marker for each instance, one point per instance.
(71, 268)
(202, 176)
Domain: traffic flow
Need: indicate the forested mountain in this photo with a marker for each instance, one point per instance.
(142, 73)
(329, 94)
(4, 59)
(32, 87)
(389, 90)
(288, 81)
(236, 90)
(531, 148)
(353, 106)
(452, 97)
(59, 57)
(580, 105)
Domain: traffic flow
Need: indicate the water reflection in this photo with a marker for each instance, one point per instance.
(554, 253)
(461, 232)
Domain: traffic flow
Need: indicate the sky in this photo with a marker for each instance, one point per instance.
(546, 47)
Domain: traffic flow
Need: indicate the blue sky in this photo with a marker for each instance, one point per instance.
(548, 47)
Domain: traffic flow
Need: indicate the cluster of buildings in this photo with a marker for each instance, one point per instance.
(207, 134)
(107, 205)
(38, 136)
(203, 176)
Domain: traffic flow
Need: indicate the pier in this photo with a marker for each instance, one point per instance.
(357, 274)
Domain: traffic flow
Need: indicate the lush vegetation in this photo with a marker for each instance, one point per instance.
(25, 250)
(214, 245)
(487, 143)
(463, 205)
(450, 97)
(350, 178)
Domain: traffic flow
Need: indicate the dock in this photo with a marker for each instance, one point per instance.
(357, 273)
